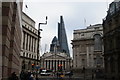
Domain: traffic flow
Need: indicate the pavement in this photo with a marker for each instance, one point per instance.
(67, 78)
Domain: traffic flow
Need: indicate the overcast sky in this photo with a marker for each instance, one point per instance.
(74, 13)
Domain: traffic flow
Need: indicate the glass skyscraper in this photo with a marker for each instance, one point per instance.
(62, 39)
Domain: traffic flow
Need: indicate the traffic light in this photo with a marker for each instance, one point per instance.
(33, 66)
(60, 67)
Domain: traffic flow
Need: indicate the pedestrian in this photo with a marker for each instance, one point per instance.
(22, 75)
(57, 74)
(13, 76)
(70, 74)
(31, 77)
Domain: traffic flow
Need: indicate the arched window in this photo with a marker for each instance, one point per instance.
(97, 42)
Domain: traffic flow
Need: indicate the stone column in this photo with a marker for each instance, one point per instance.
(46, 64)
(28, 42)
(87, 49)
(53, 64)
(68, 64)
(58, 65)
(25, 41)
(43, 63)
(22, 40)
(62, 64)
(33, 44)
(65, 64)
(50, 64)
(92, 56)
(36, 45)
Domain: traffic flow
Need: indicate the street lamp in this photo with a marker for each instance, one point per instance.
(38, 45)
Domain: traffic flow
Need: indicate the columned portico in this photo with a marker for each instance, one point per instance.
(56, 62)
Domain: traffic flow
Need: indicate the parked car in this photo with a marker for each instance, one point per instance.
(45, 73)
(67, 73)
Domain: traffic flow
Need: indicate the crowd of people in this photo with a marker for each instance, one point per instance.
(23, 76)
(27, 75)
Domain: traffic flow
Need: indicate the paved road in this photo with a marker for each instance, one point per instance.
(65, 78)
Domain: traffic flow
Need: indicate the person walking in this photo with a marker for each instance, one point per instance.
(13, 76)
(31, 77)
(22, 75)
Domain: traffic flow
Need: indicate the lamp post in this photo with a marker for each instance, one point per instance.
(38, 44)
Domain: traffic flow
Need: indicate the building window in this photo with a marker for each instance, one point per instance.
(27, 43)
(97, 42)
(83, 62)
(23, 40)
(30, 43)
(99, 60)
(24, 54)
(35, 45)
(95, 62)
(34, 57)
(76, 65)
(29, 55)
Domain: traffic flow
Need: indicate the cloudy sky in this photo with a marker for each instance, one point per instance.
(74, 12)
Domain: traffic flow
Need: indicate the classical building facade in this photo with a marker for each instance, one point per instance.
(88, 48)
(56, 61)
(111, 29)
(11, 38)
(59, 56)
(29, 43)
